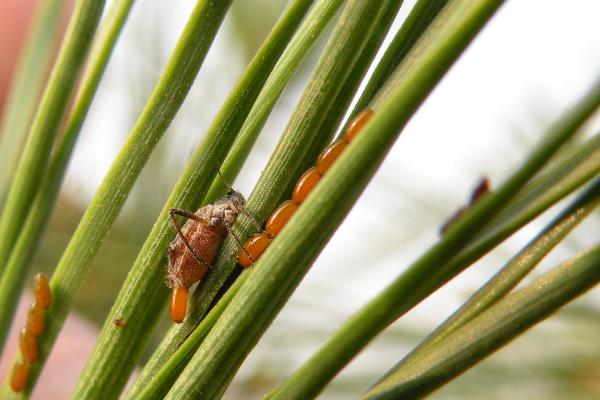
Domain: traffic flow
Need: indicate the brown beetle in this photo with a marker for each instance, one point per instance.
(196, 245)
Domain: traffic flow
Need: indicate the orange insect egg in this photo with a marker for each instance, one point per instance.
(253, 249)
(28, 346)
(329, 155)
(280, 217)
(179, 298)
(41, 291)
(35, 320)
(305, 185)
(357, 124)
(19, 375)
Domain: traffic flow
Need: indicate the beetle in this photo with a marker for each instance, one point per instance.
(196, 245)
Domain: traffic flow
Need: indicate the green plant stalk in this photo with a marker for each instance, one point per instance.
(418, 21)
(163, 379)
(431, 270)
(143, 294)
(508, 277)
(559, 182)
(495, 327)
(12, 280)
(282, 266)
(158, 113)
(30, 73)
(583, 162)
(51, 110)
(284, 167)
(301, 43)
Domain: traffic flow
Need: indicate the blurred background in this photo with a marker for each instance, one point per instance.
(531, 62)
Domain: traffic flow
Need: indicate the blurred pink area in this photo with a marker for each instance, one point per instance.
(14, 18)
(67, 359)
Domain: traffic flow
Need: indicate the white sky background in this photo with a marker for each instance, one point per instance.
(532, 61)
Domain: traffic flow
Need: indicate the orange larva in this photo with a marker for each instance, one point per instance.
(357, 124)
(196, 245)
(280, 217)
(254, 248)
(35, 320)
(305, 185)
(28, 346)
(41, 291)
(257, 244)
(19, 375)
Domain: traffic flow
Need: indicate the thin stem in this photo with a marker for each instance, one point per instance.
(581, 165)
(492, 329)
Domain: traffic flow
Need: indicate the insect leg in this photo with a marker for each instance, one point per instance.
(239, 242)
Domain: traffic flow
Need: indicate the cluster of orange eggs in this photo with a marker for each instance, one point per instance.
(34, 327)
(258, 243)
